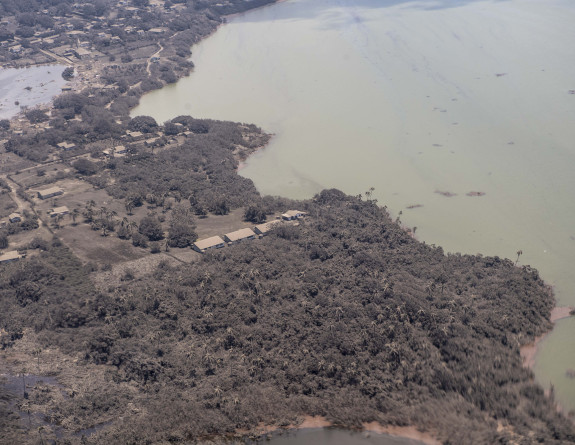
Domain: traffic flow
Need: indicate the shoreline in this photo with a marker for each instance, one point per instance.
(320, 422)
(237, 14)
(528, 351)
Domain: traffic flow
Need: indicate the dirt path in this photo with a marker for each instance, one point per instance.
(22, 205)
(156, 54)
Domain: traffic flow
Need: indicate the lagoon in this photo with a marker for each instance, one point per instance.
(458, 113)
(27, 87)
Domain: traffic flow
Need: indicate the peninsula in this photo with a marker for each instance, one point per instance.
(118, 325)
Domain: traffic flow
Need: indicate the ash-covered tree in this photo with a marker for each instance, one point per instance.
(68, 73)
(169, 76)
(151, 227)
(36, 116)
(220, 207)
(85, 166)
(255, 214)
(72, 100)
(3, 239)
(182, 228)
(145, 124)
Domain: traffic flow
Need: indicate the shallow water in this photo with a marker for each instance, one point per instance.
(44, 82)
(412, 98)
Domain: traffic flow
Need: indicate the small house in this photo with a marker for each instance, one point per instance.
(152, 142)
(239, 235)
(59, 211)
(120, 149)
(66, 146)
(264, 229)
(50, 192)
(82, 53)
(10, 256)
(214, 242)
(135, 135)
(14, 217)
(291, 215)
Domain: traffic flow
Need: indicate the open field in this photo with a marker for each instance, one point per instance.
(90, 246)
(7, 206)
(41, 175)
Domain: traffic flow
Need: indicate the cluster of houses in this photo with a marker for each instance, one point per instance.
(245, 234)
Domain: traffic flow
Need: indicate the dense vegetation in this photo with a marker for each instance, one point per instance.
(202, 169)
(344, 316)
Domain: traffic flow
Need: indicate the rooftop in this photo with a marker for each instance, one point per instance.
(240, 234)
(209, 242)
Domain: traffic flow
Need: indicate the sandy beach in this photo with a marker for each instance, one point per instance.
(407, 432)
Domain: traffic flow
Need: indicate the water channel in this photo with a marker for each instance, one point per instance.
(458, 112)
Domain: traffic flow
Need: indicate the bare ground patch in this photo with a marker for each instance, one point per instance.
(7, 205)
(90, 246)
(222, 224)
(131, 270)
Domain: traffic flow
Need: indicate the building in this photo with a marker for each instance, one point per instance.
(49, 193)
(152, 142)
(63, 210)
(264, 229)
(82, 53)
(120, 149)
(290, 215)
(239, 235)
(214, 242)
(14, 217)
(135, 135)
(66, 146)
(10, 256)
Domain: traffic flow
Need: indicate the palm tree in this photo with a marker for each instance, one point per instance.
(129, 204)
(74, 215)
(131, 226)
(37, 353)
(103, 210)
(57, 220)
(339, 312)
(519, 253)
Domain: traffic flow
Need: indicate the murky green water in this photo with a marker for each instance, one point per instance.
(412, 98)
